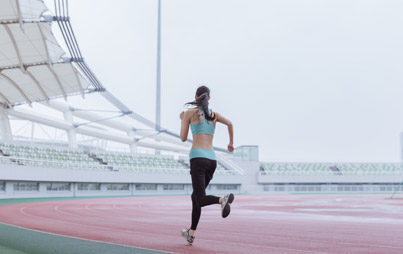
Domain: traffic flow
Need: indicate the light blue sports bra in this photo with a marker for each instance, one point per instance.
(205, 127)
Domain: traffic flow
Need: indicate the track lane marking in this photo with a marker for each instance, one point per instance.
(153, 234)
(265, 236)
(244, 234)
(56, 208)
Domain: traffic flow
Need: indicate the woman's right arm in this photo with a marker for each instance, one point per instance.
(184, 116)
(227, 122)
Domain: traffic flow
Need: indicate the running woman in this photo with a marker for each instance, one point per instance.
(203, 162)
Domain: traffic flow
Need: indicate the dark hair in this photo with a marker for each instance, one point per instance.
(202, 93)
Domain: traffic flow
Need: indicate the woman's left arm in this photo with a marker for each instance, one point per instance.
(227, 122)
(184, 116)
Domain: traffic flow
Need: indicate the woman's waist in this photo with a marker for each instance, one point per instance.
(203, 142)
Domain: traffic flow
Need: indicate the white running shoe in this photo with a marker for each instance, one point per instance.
(190, 239)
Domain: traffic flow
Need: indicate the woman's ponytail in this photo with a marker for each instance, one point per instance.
(202, 94)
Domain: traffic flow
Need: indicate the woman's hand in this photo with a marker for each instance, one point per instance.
(182, 114)
(231, 148)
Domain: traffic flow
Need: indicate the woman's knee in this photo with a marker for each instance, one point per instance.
(197, 199)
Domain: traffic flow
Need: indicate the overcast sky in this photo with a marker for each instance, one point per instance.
(305, 80)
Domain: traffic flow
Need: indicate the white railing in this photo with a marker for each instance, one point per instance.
(43, 144)
(228, 163)
(323, 168)
(52, 164)
(91, 166)
(327, 173)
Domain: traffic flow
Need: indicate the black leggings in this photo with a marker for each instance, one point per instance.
(202, 171)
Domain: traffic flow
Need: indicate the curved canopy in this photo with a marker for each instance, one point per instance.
(16, 10)
(31, 66)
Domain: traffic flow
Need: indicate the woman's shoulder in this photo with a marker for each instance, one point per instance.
(191, 110)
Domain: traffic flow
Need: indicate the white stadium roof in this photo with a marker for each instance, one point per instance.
(31, 64)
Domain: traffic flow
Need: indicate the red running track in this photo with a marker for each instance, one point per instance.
(257, 224)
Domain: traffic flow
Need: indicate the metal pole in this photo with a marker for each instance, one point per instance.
(158, 113)
(158, 106)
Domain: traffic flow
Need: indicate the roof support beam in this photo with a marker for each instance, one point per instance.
(115, 124)
(63, 125)
(5, 99)
(45, 45)
(16, 21)
(50, 63)
(25, 65)
(17, 87)
(37, 84)
(22, 67)
(19, 14)
(17, 51)
(58, 82)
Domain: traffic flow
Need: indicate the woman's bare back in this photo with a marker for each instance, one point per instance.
(204, 141)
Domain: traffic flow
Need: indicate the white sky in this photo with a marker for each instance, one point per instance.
(305, 80)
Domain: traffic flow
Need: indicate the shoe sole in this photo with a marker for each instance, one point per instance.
(227, 208)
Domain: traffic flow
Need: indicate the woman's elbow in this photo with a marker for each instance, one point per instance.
(184, 138)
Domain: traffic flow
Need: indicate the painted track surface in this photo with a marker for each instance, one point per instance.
(257, 224)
